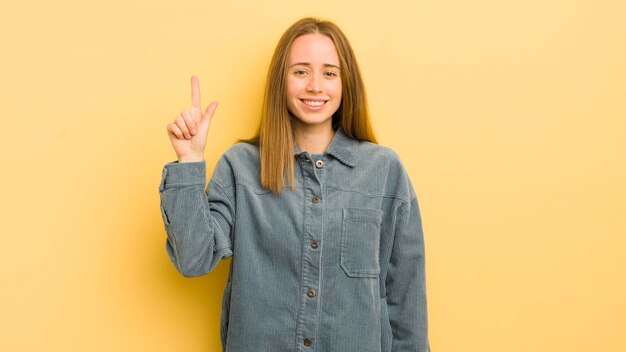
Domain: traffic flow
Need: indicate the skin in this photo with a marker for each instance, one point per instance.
(188, 133)
(313, 75)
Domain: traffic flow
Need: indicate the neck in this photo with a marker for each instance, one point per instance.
(314, 139)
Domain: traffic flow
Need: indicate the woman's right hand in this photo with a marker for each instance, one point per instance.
(188, 133)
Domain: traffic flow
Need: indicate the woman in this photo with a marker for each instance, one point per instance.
(322, 224)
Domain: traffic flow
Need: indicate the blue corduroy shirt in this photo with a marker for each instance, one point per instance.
(335, 266)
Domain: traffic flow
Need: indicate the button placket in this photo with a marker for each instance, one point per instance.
(308, 318)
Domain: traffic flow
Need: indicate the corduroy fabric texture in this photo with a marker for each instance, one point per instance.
(336, 266)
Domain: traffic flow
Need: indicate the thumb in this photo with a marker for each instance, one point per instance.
(208, 113)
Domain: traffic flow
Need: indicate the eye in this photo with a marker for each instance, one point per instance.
(299, 72)
(330, 74)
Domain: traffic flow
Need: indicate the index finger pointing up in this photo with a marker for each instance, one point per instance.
(195, 92)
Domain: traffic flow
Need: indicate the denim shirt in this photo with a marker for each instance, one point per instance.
(335, 266)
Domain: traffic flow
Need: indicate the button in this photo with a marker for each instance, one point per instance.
(319, 164)
(311, 293)
(307, 342)
(314, 244)
(315, 200)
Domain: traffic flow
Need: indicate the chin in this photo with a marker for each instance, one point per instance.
(308, 118)
(313, 121)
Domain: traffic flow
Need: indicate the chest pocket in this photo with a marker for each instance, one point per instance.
(360, 242)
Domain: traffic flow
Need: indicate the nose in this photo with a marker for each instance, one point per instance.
(313, 85)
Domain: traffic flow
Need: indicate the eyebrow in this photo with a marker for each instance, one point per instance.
(308, 64)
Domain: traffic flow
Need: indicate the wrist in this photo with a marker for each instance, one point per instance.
(190, 158)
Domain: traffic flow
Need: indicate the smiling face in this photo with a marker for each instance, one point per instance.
(313, 80)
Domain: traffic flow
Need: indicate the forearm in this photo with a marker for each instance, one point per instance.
(196, 238)
(406, 285)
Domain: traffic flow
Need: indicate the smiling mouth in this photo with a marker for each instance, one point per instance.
(313, 102)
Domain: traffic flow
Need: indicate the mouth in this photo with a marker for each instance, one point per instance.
(313, 102)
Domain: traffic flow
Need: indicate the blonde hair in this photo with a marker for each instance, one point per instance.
(274, 136)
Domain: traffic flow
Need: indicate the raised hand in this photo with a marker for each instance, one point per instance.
(188, 133)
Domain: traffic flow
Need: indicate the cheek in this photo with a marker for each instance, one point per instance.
(295, 86)
(291, 94)
(334, 86)
(290, 88)
(335, 90)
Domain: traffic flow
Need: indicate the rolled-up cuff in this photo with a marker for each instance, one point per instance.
(177, 174)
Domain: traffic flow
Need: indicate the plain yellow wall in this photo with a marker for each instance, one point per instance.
(509, 115)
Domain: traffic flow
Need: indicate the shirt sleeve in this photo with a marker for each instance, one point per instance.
(198, 222)
(406, 283)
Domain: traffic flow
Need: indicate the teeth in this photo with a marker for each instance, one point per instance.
(313, 103)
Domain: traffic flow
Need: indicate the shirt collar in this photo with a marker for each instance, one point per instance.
(342, 147)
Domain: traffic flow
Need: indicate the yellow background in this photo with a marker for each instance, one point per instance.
(509, 115)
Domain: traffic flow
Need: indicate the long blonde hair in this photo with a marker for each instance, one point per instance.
(274, 136)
